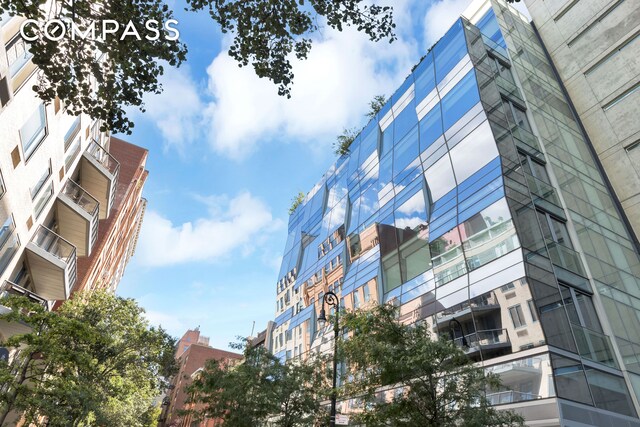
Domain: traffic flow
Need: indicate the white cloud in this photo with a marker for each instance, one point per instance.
(168, 322)
(239, 224)
(331, 90)
(176, 112)
(439, 18)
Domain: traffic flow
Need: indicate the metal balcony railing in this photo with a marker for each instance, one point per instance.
(54, 244)
(594, 345)
(486, 301)
(565, 257)
(80, 197)
(8, 288)
(483, 338)
(510, 396)
(103, 157)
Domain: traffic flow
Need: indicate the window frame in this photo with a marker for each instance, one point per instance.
(38, 137)
(520, 314)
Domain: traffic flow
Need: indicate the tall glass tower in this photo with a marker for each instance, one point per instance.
(472, 201)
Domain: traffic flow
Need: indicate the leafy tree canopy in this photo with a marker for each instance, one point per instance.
(96, 361)
(260, 389)
(266, 35)
(430, 382)
(99, 85)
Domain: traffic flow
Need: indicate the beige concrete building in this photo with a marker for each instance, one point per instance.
(70, 196)
(595, 46)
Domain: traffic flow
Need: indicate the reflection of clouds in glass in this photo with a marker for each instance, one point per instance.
(314, 190)
(335, 195)
(440, 178)
(411, 222)
(338, 214)
(475, 151)
(497, 212)
(414, 204)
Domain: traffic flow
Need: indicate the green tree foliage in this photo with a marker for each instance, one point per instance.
(297, 201)
(101, 86)
(344, 141)
(96, 361)
(436, 383)
(267, 32)
(375, 105)
(266, 35)
(260, 389)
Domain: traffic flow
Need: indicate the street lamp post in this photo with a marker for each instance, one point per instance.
(452, 333)
(331, 299)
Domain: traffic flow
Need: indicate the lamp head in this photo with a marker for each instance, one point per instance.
(322, 318)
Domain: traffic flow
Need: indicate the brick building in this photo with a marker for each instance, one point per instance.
(192, 353)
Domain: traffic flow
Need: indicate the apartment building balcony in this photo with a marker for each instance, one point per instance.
(594, 345)
(510, 396)
(52, 264)
(492, 341)
(8, 329)
(99, 172)
(77, 213)
(544, 195)
(464, 311)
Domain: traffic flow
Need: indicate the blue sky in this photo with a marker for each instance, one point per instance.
(227, 155)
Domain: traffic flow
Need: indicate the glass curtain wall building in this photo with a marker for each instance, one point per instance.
(473, 196)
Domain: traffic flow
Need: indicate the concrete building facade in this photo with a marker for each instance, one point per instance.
(70, 196)
(595, 47)
(472, 200)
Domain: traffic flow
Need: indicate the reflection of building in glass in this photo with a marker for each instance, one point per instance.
(473, 203)
(71, 200)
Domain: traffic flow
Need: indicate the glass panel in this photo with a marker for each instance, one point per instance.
(450, 50)
(588, 312)
(17, 55)
(447, 257)
(522, 380)
(571, 382)
(517, 316)
(33, 131)
(488, 235)
(476, 150)
(561, 235)
(610, 392)
(460, 100)
(431, 127)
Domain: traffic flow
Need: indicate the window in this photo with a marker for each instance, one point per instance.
(73, 130)
(33, 131)
(517, 316)
(500, 68)
(532, 309)
(554, 229)
(356, 300)
(17, 54)
(580, 308)
(508, 287)
(534, 167)
(44, 198)
(516, 115)
(367, 293)
(40, 183)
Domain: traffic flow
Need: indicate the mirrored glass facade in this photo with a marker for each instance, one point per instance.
(472, 202)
